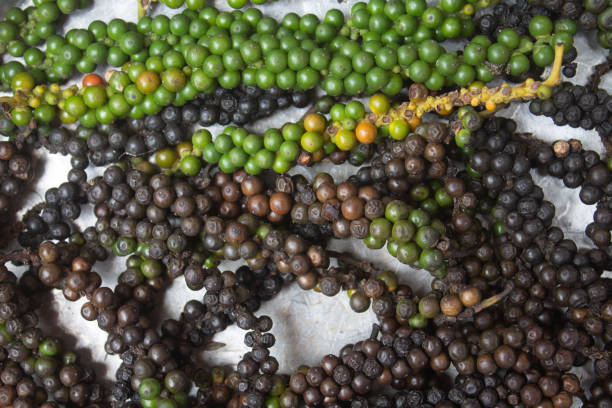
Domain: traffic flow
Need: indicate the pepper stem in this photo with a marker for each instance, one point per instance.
(555, 74)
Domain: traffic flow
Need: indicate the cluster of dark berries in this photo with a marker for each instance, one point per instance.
(516, 16)
(15, 169)
(247, 103)
(107, 144)
(577, 106)
(53, 218)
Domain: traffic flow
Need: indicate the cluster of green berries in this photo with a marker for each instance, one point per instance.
(24, 31)
(166, 61)
(411, 232)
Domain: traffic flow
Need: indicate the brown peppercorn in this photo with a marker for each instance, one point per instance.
(102, 297)
(606, 311)
(294, 244)
(88, 311)
(436, 170)
(7, 395)
(214, 193)
(450, 305)
(470, 296)
(80, 264)
(48, 252)
(360, 228)
(298, 383)
(440, 362)
(235, 232)
(531, 395)
(240, 175)
(76, 281)
(338, 156)
(385, 377)
(220, 178)
(523, 363)
(485, 364)
(330, 210)
(454, 186)
(258, 205)
(414, 145)
(368, 193)
(414, 165)
(251, 185)
(163, 197)
(320, 179)
(7, 149)
(505, 356)
(70, 375)
(561, 148)
(229, 209)
(549, 385)
(318, 256)
(417, 92)
(329, 388)
(398, 186)
(203, 203)
(434, 152)
(284, 184)
(374, 209)
(342, 228)
(70, 294)
(346, 190)
(395, 168)
(436, 132)
(329, 362)
(326, 191)
(128, 314)
(373, 288)
(300, 264)
(307, 281)
(49, 274)
(230, 191)
(299, 213)
(280, 203)
(315, 214)
(312, 396)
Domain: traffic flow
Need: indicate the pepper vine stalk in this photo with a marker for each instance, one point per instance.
(491, 97)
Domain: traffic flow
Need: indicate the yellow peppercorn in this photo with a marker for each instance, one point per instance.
(66, 118)
(51, 99)
(39, 90)
(476, 85)
(67, 93)
(33, 102)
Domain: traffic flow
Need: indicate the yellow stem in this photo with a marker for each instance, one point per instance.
(555, 74)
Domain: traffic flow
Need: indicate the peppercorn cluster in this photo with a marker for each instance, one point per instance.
(578, 106)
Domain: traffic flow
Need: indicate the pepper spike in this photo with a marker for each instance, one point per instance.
(491, 98)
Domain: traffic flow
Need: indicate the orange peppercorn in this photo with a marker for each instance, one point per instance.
(92, 79)
(414, 121)
(366, 132)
